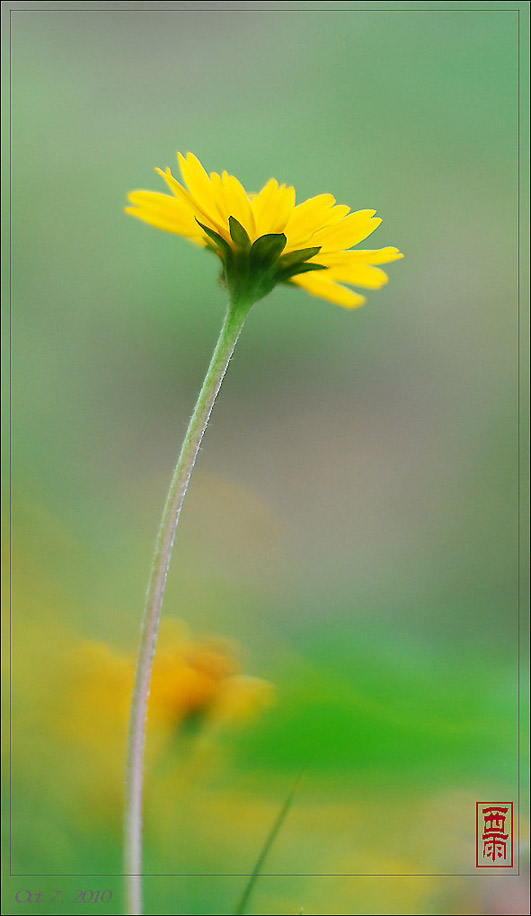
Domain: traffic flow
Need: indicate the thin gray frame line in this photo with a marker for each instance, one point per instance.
(272, 875)
(150, 9)
(518, 437)
(10, 262)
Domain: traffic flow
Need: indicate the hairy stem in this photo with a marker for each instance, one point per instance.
(229, 334)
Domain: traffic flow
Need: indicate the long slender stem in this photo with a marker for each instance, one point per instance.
(229, 334)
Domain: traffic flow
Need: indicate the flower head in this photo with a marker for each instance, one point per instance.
(264, 239)
(195, 683)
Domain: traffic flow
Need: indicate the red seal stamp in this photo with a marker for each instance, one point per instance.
(494, 834)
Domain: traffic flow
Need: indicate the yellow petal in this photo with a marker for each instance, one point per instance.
(159, 201)
(347, 268)
(261, 201)
(237, 204)
(358, 275)
(360, 256)
(310, 217)
(219, 197)
(195, 178)
(318, 284)
(154, 219)
(314, 206)
(201, 192)
(178, 191)
(171, 213)
(348, 231)
(272, 208)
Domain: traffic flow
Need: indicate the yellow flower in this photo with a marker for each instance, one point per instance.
(194, 683)
(264, 239)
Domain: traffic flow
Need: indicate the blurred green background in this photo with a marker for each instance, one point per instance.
(352, 521)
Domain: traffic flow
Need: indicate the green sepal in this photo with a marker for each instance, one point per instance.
(238, 233)
(304, 268)
(294, 257)
(267, 249)
(220, 242)
(250, 272)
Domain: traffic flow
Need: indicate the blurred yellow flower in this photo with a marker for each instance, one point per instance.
(195, 682)
(264, 239)
(201, 680)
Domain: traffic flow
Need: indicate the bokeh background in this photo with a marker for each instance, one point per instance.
(351, 528)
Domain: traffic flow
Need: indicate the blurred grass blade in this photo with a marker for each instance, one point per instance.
(270, 839)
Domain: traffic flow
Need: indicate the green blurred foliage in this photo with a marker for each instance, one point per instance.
(352, 522)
